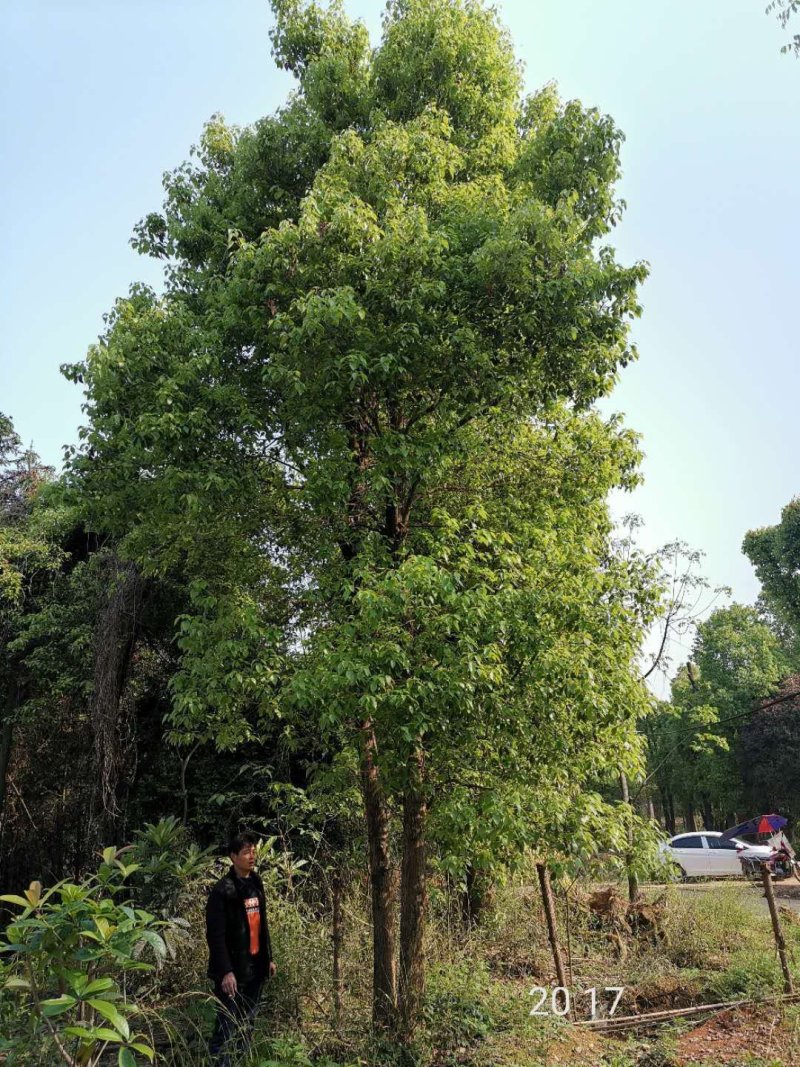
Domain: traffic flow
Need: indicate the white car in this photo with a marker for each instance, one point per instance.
(707, 853)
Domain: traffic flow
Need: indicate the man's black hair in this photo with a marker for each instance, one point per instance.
(237, 842)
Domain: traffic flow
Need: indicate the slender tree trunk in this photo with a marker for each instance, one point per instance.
(6, 741)
(337, 938)
(688, 817)
(664, 806)
(413, 897)
(708, 814)
(633, 881)
(672, 822)
(466, 896)
(7, 709)
(184, 788)
(476, 896)
(550, 919)
(115, 636)
(382, 885)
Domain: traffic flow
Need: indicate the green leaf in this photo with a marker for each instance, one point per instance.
(145, 1049)
(126, 1058)
(99, 985)
(104, 926)
(111, 1014)
(58, 1005)
(11, 898)
(96, 1033)
(156, 942)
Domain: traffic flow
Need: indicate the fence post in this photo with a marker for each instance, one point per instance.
(776, 929)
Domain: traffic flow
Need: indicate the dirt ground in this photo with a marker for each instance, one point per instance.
(734, 1036)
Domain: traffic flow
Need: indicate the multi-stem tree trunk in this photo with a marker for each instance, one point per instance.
(382, 885)
(413, 896)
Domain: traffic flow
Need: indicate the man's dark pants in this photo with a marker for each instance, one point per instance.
(234, 1025)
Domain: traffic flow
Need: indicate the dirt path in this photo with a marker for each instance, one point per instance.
(732, 1037)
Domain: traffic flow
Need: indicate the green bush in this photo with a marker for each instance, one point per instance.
(165, 862)
(69, 963)
(457, 1012)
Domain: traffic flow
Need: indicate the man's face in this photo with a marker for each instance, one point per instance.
(245, 860)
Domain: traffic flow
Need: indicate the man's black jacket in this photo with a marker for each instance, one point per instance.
(228, 932)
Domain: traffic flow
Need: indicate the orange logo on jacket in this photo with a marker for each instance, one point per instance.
(254, 922)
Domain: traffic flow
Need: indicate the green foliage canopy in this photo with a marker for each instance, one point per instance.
(358, 419)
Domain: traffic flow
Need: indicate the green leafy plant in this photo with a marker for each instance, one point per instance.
(456, 1012)
(165, 863)
(68, 960)
(284, 1052)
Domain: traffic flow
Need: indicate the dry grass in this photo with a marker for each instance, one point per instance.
(713, 945)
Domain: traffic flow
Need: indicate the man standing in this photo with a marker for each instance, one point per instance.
(240, 953)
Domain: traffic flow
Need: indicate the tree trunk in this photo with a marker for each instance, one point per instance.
(6, 740)
(113, 647)
(665, 813)
(382, 886)
(708, 814)
(478, 894)
(337, 938)
(689, 822)
(413, 897)
(669, 814)
(11, 700)
(550, 918)
(633, 881)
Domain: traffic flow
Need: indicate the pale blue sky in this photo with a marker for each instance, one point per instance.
(99, 98)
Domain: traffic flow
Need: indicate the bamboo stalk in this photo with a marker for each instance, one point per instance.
(673, 1013)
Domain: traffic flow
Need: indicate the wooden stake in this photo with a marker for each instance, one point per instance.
(776, 928)
(550, 917)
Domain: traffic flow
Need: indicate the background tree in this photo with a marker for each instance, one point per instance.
(774, 552)
(695, 741)
(26, 555)
(769, 750)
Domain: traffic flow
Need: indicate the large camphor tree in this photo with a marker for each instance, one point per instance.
(358, 422)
